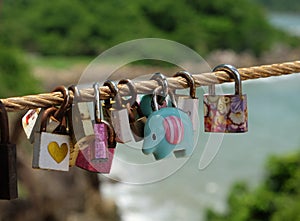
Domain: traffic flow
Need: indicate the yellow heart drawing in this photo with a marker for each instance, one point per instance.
(58, 153)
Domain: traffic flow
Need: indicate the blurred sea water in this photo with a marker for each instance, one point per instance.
(274, 119)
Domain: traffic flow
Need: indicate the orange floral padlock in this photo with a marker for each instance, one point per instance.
(226, 113)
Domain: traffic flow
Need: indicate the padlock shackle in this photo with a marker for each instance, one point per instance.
(154, 103)
(233, 72)
(46, 114)
(162, 81)
(154, 100)
(190, 81)
(59, 114)
(132, 90)
(76, 93)
(97, 103)
(114, 91)
(4, 124)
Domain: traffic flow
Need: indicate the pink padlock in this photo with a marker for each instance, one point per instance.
(96, 151)
(226, 113)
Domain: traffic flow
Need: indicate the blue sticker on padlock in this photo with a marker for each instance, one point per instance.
(168, 130)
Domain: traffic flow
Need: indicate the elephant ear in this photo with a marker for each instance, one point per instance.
(174, 129)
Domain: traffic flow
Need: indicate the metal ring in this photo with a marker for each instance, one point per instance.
(233, 72)
(4, 125)
(64, 106)
(190, 81)
(162, 81)
(132, 90)
(112, 87)
(154, 102)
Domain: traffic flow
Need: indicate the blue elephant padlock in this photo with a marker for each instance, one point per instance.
(168, 130)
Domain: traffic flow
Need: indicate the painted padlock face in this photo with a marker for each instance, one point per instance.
(85, 159)
(96, 151)
(226, 113)
(51, 150)
(168, 130)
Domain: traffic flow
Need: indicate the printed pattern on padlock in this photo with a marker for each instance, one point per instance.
(168, 131)
(8, 160)
(31, 122)
(189, 104)
(83, 161)
(226, 113)
(51, 150)
(86, 145)
(99, 152)
(96, 151)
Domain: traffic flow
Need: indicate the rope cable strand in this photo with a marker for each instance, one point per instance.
(146, 87)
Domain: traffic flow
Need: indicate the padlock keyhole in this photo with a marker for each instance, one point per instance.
(153, 136)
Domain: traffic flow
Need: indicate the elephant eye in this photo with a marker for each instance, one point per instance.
(153, 137)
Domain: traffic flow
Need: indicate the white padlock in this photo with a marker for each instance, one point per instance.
(119, 116)
(189, 104)
(120, 122)
(86, 110)
(51, 150)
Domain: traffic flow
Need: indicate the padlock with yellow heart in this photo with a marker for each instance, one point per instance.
(51, 150)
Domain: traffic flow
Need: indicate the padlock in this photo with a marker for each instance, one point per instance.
(86, 145)
(137, 121)
(119, 118)
(31, 122)
(8, 160)
(189, 104)
(75, 124)
(100, 151)
(51, 150)
(96, 151)
(226, 113)
(87, 117)
(168, 130)
(81, 118)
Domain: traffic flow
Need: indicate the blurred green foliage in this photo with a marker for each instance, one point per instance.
(279, 5)
(15, 76)
(276, 199)
(79, 27)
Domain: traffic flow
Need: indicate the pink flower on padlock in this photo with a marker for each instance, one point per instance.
(226, 113)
